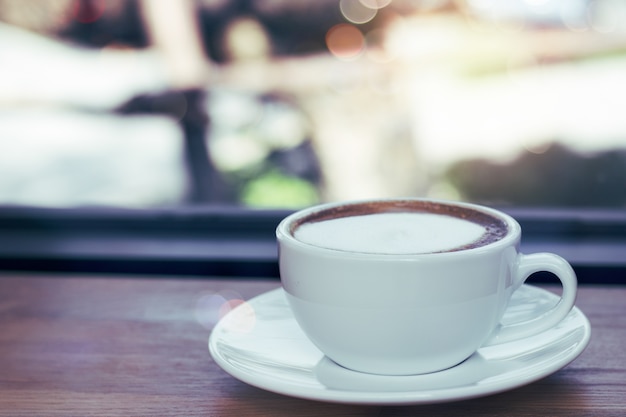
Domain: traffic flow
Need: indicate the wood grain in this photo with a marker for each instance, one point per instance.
(107, 346)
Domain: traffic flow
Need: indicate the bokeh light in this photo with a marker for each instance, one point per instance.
(242, 319)
(356, 11)
(537, 148)
(246, 39)
(345, 41)
(574, 17)
(211, 307)
(606, 16)
(375, 4)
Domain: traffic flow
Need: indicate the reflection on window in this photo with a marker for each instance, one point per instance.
(285, 104)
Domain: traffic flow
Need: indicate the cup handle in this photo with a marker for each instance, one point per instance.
(527, 265)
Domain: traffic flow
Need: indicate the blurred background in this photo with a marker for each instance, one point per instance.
(283, 104)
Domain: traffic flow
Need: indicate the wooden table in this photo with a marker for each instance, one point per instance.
(133, 346)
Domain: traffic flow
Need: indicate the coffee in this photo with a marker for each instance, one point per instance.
(400, 229)
(416, 310)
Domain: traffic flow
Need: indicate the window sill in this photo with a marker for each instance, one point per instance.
(241, 242)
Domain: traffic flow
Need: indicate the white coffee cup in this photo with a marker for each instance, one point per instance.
(409, 286)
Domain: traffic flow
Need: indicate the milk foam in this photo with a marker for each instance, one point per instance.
(391, 233)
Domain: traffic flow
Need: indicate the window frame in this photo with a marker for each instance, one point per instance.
(238, 242)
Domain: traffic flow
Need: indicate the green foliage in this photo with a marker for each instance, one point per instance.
(274, 189)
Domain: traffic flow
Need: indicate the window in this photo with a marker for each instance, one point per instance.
(162, 111)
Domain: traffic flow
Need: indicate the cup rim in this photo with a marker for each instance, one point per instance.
(284, 229)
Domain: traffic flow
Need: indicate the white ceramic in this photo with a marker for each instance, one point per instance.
(405, 314)
(261, 344)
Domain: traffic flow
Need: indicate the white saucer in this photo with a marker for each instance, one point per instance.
(260, 343)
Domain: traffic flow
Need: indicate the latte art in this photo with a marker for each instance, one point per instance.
(394, 233)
